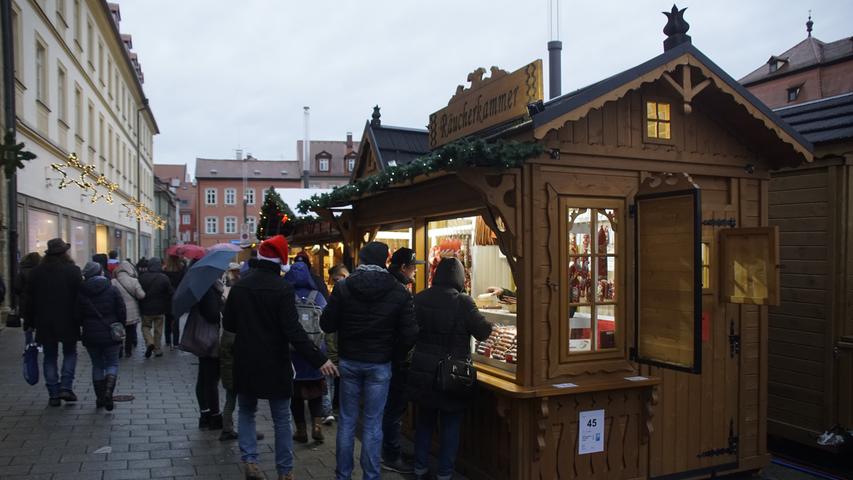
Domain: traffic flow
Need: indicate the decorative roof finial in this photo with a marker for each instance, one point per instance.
(375, 122)
(675, 29)
(809, 24)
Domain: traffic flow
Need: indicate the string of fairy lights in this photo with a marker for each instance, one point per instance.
(102, 189)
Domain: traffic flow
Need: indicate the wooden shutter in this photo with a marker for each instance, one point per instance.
(749, 266)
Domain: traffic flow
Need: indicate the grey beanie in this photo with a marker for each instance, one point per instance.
(92, 269)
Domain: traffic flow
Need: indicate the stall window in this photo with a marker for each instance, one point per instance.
(591, 258)
(658, 121)
(749, 259)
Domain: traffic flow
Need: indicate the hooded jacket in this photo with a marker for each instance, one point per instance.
(447, 319)
(99, 304)
(158, 290)
(124, 279)
(373, 316)
(51, 298)
(261, 311)
(20, 288)
(300, 278)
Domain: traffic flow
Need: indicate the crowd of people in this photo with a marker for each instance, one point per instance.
(370, 347)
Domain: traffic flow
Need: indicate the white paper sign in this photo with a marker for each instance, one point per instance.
(591, 432)
(636, 379)
(565, 385)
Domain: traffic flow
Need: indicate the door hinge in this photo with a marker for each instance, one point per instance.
(734, 340)
(731, 449)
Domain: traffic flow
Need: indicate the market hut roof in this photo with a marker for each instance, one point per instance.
(822, 121)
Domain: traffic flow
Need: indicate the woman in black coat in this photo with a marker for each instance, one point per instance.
(100, 304)
(209, 309)
(447, 319)
(25, 268)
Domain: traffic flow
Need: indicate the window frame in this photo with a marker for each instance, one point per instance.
(41, 71)
(208, 223)
(249, 201)
(225, 223)
(350, 164)
(252, 224)
(796, 91)
(233, 192)
(564, 203)
(323, 161)
(208, 192)
(61, 93)
(186, 219)
(646, 120)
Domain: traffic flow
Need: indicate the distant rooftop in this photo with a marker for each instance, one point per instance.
(255, 169)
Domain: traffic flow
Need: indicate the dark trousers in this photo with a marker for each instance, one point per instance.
(172, 329)
(297, 408)
(130, 338)
(392, 419)
(428, 419)
(207, 385)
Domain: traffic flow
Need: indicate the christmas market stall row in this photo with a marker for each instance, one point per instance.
(627, 224)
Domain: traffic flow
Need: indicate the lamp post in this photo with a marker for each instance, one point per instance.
(139, 178)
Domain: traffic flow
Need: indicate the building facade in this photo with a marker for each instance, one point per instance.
(331, 161)
(166, 206)
(79, 90)
(231, 192)
(185, 193)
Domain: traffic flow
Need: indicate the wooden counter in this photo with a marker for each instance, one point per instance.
(510, 389)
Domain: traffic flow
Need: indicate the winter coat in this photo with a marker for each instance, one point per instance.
(99, 304)
(300, 278)
(124, 279)
(373, 316)
(158, 291)
(51, 298)
(226, 359)
(446, 319)
(22, 279)
(261, 311)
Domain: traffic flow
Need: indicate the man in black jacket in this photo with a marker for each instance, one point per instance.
(373, 316)
(261, 313)
(157, 301)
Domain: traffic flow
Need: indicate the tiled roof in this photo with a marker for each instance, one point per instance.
(255, 169)
(167, 171)
(808, 53)
(825, 120)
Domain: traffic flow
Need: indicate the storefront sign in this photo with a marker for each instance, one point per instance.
(590, 432)
(488, 102)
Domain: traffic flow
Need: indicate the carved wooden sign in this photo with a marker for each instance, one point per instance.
(488, 102)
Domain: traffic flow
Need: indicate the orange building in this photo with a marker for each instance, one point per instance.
(230, 194)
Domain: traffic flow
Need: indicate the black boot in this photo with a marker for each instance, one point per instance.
(100, 388)
(109, 387)
(204, 420)
(215, 422)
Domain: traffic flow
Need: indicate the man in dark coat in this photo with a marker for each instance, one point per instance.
(403, 266)
(51, 298)
(373, 316)
(157, 301)
(447, 319)
(261, 313)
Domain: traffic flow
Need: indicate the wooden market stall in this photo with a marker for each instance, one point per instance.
(631, 220)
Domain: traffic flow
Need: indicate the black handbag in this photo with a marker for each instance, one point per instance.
(455, 376)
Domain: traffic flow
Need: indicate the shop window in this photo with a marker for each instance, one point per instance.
(658, 121)
(79, 240)
(230, 196)
(670, 276)
(591, 264)
(474, 244)
(749, 265)
(41, 227)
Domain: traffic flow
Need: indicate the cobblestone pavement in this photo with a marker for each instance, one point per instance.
(155, 435)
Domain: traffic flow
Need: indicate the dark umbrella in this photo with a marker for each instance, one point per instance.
(198, 279)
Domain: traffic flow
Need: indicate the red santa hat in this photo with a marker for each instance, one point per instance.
(273, 249)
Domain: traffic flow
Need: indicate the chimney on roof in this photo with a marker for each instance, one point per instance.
(238, 154)
(349, 143)
(809, 24)
(555, 49)
(675, 29)
(306, 151)
(375, 118)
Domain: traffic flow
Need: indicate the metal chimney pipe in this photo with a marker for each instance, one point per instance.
(555, 48)
(306, 149)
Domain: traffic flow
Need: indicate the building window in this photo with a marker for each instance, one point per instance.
(230, 224)
(60, 12)
(350, 164)
(252, 224)
(250, 196)
(78, 112)
(91, 120)
(210, 196)
(211, 225)
(793, 93)
(41, 73)
(324, 164)
(230, 196)
(185, 219)
(90, 44)
(773, 65)
(658, 121)
(41, 227)
(61, 94)
(101, 62)
(78, 20)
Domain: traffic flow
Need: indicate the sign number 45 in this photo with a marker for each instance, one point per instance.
(590, 432)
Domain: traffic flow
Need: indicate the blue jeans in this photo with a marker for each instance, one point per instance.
(51, 371)
(448, 440)
(329, 396)
(104, 360)
(367, 382)
(247, 435)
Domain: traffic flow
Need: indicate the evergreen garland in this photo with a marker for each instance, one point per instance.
(451, 157)
(275, 217)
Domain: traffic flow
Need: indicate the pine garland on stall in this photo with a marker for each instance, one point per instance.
(275, 217)
(454, 156)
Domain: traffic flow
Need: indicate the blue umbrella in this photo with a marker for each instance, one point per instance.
(198, 280)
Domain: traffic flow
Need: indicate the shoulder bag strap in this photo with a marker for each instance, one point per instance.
(312, 297)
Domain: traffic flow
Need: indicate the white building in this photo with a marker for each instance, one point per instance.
(79, 89)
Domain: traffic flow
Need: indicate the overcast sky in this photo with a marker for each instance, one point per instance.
(222, 75)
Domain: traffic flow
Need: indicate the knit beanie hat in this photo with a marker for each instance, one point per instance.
(374, 253)
(273, 249)
(92, 269)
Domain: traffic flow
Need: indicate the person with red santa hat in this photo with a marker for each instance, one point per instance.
(261, 312)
